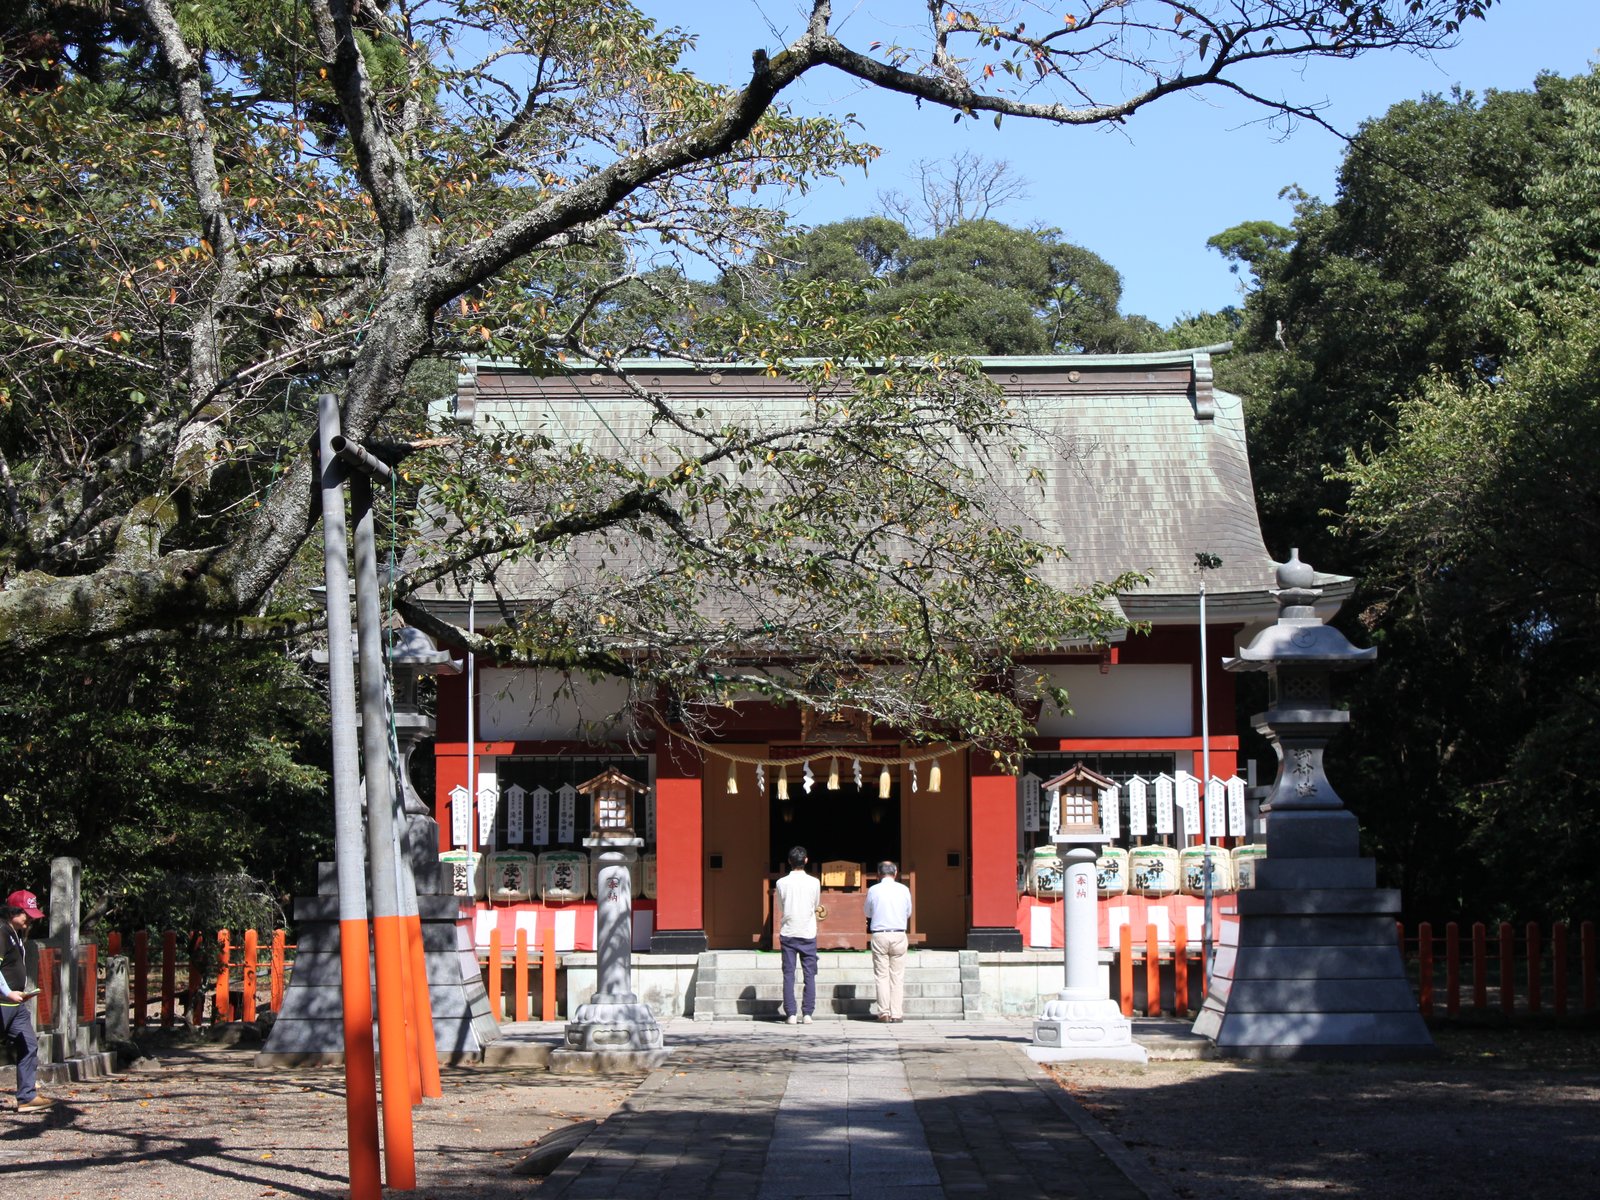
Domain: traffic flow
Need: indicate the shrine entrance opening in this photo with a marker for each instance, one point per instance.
(852, 824)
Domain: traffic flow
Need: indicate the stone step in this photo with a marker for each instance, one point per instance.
(829, 978)
(767, 990)
(948, 959)
(941, 1008)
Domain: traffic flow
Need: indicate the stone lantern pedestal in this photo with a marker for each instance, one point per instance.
(1312, 969)
(1082, 1021)
(614, 1031)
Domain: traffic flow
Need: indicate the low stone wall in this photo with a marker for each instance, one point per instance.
(664, 982)
(1011, 983)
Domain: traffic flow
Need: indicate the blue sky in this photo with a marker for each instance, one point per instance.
(1145, 197)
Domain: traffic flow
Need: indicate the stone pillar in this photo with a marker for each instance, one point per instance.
(117, 1025)
(1082, 1021)
(1312, 969)
(66, 882)
(613, 1032)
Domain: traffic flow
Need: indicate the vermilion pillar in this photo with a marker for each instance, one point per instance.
(993, 817)
(680, 850)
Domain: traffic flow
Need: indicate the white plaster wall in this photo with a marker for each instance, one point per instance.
(1132, 700)
(542, 706)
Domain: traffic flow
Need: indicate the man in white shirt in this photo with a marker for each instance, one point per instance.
(797, 936)
(888, 918)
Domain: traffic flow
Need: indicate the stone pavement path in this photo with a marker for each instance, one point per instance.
(843, 1109)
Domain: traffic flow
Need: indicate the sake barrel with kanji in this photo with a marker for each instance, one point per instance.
(1153, 870)
(1245, 860)
(511, 875)
(1192, 866)
(1111, 872)
(466, 873)
(563, 875)
(1046, 875)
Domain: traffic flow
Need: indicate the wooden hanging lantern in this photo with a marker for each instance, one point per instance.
(611, 796)
(1077, 790)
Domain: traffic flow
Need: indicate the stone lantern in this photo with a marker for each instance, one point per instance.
(1082, 1021)
(613, 1031)
(1312, 969)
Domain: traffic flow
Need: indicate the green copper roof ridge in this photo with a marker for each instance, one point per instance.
(1144, 358)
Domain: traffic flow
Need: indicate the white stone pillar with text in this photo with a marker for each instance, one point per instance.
(1082, 1021)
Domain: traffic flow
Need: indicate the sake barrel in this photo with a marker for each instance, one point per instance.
(1153, 870)
(466, 873)
(1111, 872)
(1192, 866)
(563, 875)
(1045, 873)
(511, 876)
(1245, 860)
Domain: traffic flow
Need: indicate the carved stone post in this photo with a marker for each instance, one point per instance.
(1082, 1021)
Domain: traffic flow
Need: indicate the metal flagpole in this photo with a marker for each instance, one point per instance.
(1205, 562)
(361, 1093)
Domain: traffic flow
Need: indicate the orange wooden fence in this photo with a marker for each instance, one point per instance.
(1524, 972)
(237, 978)
(1544, 983)
(521, 962)
(1180, 956)
(233, 989)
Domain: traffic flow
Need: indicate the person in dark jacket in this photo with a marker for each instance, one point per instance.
(16, 1024)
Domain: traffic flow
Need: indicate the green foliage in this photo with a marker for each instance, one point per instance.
(1440, 363)
(976, 287)
(153, 765)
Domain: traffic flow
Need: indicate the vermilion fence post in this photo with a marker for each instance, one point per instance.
(1180, 971)
(1535, 967)
(1480, 966)
(521, 985)
(1558, 966)
(1125, 969)
(222, 1005)
(46, 983)
(1452, 968)
(1152, 972)
(113, 944)
(141, 977)
(89, 961)
(547, 974)
(1586, 934)
(169, 977)
(1508, 978)
(496, 999)
(247, 973)
(1425, 968)
(278, 947)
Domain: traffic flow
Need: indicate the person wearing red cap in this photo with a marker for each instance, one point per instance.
(16, 1024)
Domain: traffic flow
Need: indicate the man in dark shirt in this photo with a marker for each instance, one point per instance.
(16, 1025)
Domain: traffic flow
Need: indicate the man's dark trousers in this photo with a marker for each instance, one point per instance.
(17, 1028)
(806, 949)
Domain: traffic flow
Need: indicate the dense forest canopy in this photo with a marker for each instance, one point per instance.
(1421, 359)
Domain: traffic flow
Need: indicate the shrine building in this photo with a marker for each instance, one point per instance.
(1157, 475)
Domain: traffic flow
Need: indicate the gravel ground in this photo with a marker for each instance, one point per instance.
(1495, 1114)
(205, 1122)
